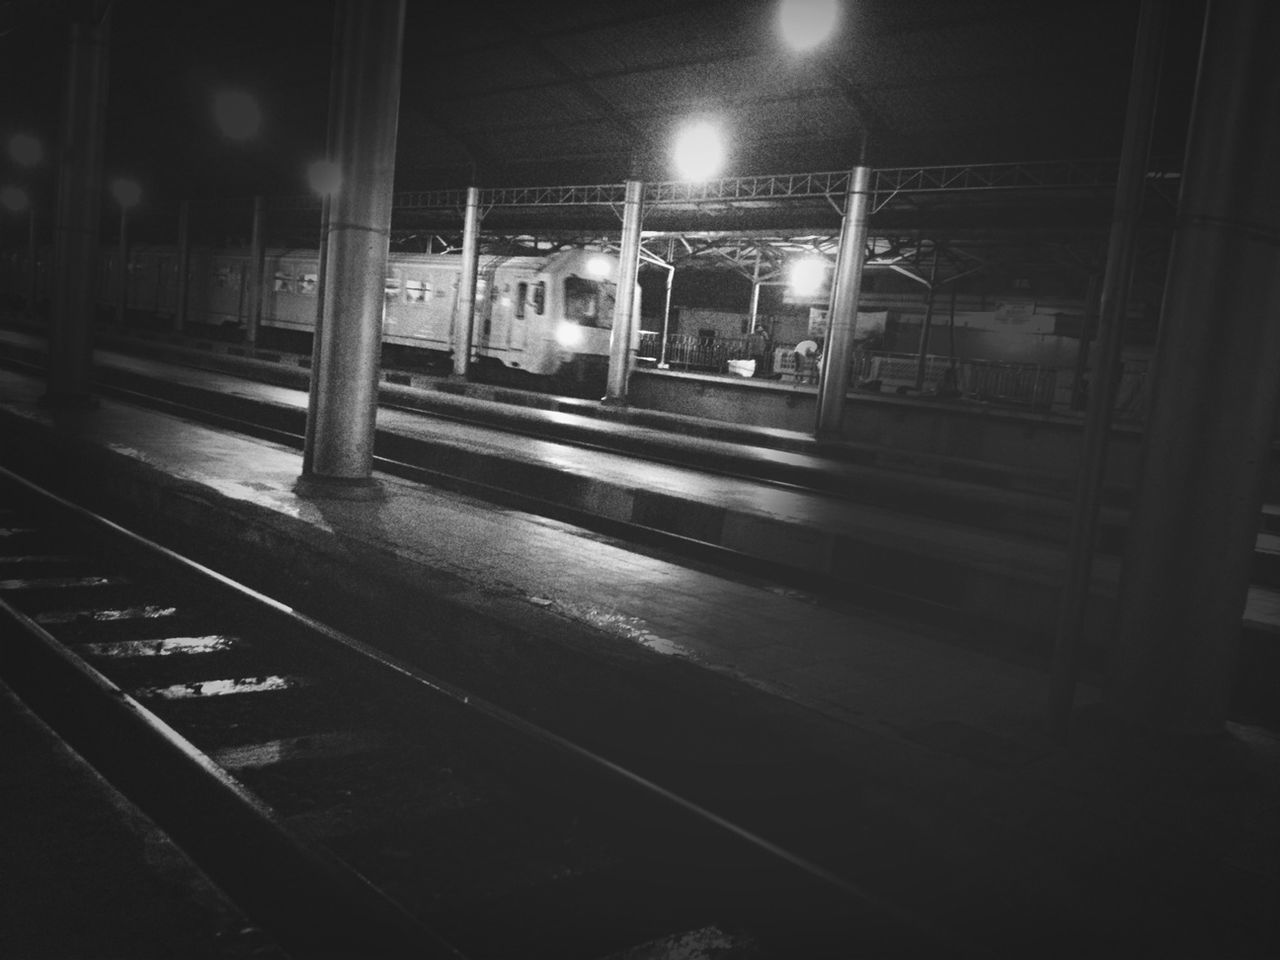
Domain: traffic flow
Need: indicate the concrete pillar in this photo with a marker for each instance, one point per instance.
(1130, 183)
(33, 261)
(183, 265)
(122, 269)
(837, 355)
(1217, 381)
(78, 215)
(922, 353)
(624, 319)
(338, 459)
(464, 308)
(257, 257)
(666, 305)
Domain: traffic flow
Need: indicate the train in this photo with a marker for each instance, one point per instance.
(546, 315)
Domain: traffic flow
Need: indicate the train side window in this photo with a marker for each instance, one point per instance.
(540, 297)
(581, 300)
(391, 289)
(522, 294)
(416, 291)
(308, 284)
(285, 282)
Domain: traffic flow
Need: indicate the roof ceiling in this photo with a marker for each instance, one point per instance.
(592, 91)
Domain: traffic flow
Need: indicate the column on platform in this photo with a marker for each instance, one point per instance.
(78, 213)
(257, 262)
(464, 308)
(183, 266)
(338, 458)
(621, 353)
(1217, 378)
(837, 354)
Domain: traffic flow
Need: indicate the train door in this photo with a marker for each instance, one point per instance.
(518, 324)
(482, 321)
(225, 291)
(166, 278)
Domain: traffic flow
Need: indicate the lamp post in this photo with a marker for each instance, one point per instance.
(27, 150)
(127, 194)
(15, 200)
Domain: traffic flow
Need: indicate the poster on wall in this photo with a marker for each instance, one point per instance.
(817, 322)
(868, 325)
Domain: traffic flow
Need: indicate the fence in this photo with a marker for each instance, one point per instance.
(685, 352)
(1021, 384)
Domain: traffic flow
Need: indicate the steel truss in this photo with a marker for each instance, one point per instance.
(886, 184)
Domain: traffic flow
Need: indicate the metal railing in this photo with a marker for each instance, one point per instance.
(1020, 384)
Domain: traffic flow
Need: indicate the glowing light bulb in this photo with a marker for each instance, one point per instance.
(237, 114)
(806, 23)
(325, 177)
(699, 151)
(805, 276)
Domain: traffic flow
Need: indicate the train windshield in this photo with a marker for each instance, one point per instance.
(589, 302)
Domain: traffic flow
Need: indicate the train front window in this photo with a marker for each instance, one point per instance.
(589, 302)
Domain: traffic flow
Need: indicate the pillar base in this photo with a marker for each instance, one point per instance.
(314, 487)
(613, 401)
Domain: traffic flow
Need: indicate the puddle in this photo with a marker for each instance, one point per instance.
(294, 748)
(105, 616)
(167, 646)
(59, 583)
(220, 688)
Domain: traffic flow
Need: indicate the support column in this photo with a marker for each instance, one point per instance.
(1130, 183)
(183, 265)
(923, 352)
(33, 261)
(1217, 381)
(666, 305)
(122, 269)
(338, 459)
(464, 308)
(837, 355)
(257, 256)
(755, 295)
(1079, 399)
(621, 354)
(78, 215)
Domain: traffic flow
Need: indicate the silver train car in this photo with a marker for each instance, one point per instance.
(545, 315)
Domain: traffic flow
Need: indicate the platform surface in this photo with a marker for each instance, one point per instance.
(1202, 822)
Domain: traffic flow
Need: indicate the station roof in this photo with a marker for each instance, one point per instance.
(590, 92)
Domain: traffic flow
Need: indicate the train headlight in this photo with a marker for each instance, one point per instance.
(569, 335)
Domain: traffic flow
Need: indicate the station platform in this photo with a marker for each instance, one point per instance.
(1125, 844)
(978, 542)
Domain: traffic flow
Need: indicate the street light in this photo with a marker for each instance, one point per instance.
(127, 193)
(805, 277)
(25, 149)
(237, 114)
(806, 23)
(698, 151)
(324, 177)
(14, 199)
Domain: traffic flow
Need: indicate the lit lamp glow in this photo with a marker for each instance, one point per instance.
(127, 192)
(14, 199)
(25, 149)
(805, 276)
(237, 114)
(806, 23)
(325, 177)
(699, 151)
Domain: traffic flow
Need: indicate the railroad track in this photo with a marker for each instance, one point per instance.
(357, 807)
